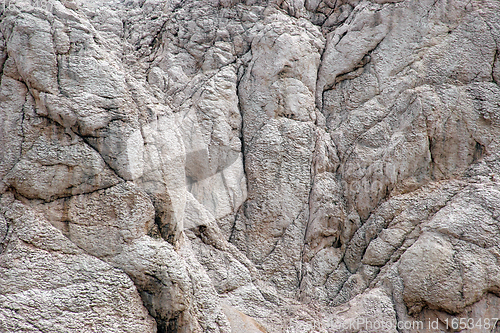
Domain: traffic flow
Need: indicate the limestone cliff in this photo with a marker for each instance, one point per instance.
(249, 166)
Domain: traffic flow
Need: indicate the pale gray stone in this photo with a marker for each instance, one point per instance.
(257, 166)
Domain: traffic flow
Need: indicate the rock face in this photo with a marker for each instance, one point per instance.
(249, 166)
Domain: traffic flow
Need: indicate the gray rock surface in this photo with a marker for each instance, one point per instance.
(249, 166)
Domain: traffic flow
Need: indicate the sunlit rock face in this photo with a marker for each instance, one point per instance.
(249, 166)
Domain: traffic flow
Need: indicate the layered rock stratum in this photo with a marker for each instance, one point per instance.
(249, 166)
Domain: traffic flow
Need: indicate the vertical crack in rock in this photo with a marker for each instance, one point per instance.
(495, 68)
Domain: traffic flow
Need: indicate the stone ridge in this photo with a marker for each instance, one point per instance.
(249, 166)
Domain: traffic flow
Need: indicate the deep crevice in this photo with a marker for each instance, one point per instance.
(493, 67)
(479, 151)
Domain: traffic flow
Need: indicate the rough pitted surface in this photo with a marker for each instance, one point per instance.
(248, 166)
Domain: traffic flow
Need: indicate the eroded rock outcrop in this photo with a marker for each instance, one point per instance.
(257, 166)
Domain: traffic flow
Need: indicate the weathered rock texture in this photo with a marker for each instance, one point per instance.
(248, 166)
